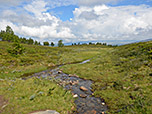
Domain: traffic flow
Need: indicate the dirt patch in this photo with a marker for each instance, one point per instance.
(3, 103)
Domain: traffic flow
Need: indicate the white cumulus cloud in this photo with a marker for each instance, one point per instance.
(41, 25)
(112, 23)
(95, 2)
(91, 22)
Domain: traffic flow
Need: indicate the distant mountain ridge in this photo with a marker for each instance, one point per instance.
(146, 40)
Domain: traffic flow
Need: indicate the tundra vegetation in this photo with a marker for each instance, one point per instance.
(122, 75)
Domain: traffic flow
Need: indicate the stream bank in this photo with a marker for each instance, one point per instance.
(80, 88)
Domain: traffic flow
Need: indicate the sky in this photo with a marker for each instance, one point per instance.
(111, 21)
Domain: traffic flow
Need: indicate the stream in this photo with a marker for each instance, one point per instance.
(80, 88)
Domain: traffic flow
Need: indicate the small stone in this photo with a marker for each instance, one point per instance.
(70, 75)
(70, 82)
(83, 95)
(83, 88)
(76, 76)
(74, 82)
(103, 103)
(46, 112)
(75, 96)
(59, 72)
(73, 75)
(32, 97)
(72, 108)
(124, 87)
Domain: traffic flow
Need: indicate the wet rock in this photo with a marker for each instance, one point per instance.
(91, 112)
(103, 103)
(46, 112)
(80, 89)
(75, 96)
(83, 88)
(83, 95)
(71, 82)
(74, 82)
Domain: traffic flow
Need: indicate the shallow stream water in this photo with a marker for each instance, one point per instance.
(80, 88)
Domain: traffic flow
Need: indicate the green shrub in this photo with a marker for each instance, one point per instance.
(16, 49)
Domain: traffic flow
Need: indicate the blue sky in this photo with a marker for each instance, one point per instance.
(66, 12)
(78, 20)
(133, 2)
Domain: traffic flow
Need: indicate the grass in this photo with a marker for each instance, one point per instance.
(25, 96)
(39, 58)
(122, 77)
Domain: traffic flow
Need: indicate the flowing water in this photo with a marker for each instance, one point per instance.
(80, 88)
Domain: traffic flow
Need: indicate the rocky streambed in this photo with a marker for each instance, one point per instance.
(80, 88)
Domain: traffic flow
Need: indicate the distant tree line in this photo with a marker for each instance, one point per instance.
(98, 43)
(8, 35)
(60, 43)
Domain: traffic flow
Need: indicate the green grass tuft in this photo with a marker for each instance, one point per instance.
(30, 95)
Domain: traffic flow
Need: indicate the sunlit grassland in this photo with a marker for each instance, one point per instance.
(34, 94)
(39, 58)
(122, 77)
(25, 96)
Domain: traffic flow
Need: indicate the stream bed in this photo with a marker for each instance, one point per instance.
(80, 88)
